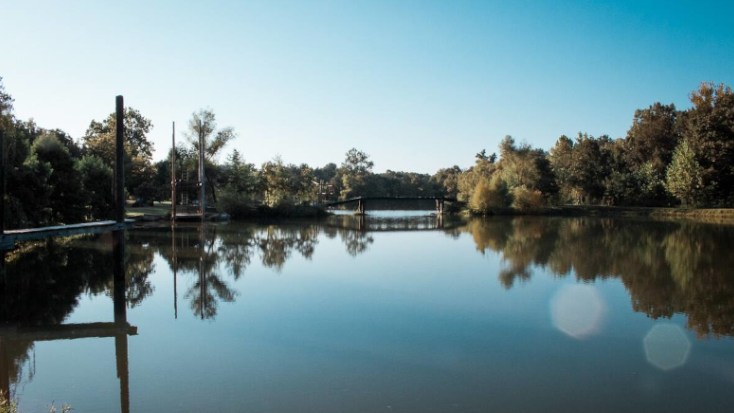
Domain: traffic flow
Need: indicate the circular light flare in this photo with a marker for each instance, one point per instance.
(666, 346)
(576, 310)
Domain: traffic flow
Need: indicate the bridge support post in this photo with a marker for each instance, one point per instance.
(439, 206)
(360, 207)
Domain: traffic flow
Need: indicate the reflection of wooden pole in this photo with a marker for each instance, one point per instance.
(120, 306)
(118, 256)
(202, 280)
(119, 162)
(4, 371)
(173, 173)
(123, 372)
(175, 268)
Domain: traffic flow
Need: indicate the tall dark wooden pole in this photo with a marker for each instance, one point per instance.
(202, 191)
(173, 174)
(120, 162)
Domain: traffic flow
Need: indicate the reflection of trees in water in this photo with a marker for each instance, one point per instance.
(231, 248)
(276, 243)
(667, 267)
(44, 280)
(356, 242)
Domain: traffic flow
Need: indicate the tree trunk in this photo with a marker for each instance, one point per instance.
(213, 187)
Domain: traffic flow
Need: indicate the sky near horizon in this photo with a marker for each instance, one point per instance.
(418, 85)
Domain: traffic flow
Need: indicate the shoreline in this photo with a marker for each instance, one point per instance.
(708, 215)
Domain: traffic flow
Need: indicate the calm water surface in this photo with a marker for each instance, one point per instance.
(388, 313)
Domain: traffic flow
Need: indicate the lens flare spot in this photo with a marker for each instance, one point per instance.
(666, 346)
(577, 310)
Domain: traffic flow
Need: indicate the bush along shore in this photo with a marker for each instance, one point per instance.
(713, 215)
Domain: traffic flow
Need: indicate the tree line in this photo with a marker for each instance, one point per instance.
(668, 157)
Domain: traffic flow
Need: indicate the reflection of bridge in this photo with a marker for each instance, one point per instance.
(119, 329)
(365, 223)
(362, 201)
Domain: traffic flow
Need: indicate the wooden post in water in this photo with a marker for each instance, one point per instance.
(120, 162)
(202, 192)
(173, 174)
(4, 371)
(120, 316)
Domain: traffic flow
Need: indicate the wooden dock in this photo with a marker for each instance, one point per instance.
(10, 237)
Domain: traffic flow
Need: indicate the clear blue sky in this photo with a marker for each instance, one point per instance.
(418, 85)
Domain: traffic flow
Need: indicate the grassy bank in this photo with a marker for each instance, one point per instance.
(715, 215)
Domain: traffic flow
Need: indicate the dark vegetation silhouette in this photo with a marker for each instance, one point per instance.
(668, 158)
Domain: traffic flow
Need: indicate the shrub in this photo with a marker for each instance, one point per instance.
(526, 199)
(488, 195)
(237, 205)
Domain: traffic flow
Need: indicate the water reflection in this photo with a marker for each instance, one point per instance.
(209, 258)
(667, 267)
(37, 297)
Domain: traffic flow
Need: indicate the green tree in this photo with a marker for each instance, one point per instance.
(66, 198)
(490, 194)
(100, 141)
(685, 176)
(589, 167)
(240, 176)
(483, 169)
(286, 184)
(203, 124)
(357, 177)
(447, 179)
(357, 163)
(652, 138)
(709, 129)
(523, 166)
(561, 161)
(96, 178)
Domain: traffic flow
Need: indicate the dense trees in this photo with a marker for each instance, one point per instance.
(99, 141)
(653, 137)
(709, 129)
(46, 180)
(668, 157)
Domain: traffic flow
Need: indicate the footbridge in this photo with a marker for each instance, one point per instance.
(361, 202)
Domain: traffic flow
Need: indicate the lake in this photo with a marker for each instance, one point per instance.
(392, 312)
